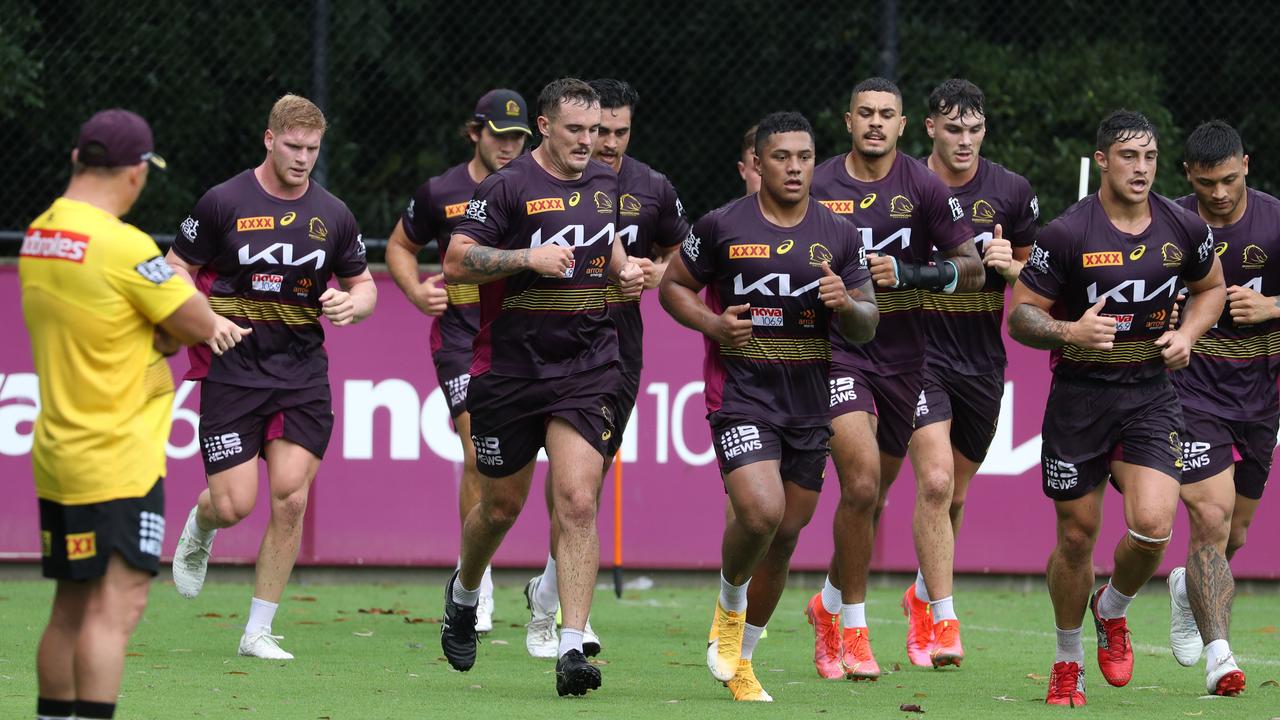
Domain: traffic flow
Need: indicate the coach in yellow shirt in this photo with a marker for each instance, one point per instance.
(101, 306)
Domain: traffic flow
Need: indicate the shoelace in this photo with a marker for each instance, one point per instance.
(728, 629)
(274, 639)
(861, 648)
(1065, 682)
(543, 627)
(1117, 639)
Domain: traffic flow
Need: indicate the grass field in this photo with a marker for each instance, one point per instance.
(373, 651)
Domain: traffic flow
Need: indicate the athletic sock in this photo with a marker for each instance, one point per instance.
(922, 591)
(943, 609)
(463, 596)
(830, 597)
(261, 613)
(47, 709)
(1070, 648)
(196, 532)
(1113, 603)
(853, 616)
(733, 598)
(486, 581)
(750, 636)
(95, 710)
(1215, 652)
(547, 592)
(570, 639)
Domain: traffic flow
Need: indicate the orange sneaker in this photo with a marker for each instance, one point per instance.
(859, 663)
(1115, 654)
(946, 644)
(1066, 685)
(826, 639)
(919, 628)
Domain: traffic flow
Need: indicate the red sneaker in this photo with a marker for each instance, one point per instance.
(826, 639)
(1115, 655)
(1066, 685)
(919, 628)
(859, 663)
(947, 649)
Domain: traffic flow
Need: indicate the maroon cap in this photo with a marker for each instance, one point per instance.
(117, 137)
(503, 111)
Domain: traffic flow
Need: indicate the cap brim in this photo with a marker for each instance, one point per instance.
(156, 161)
(513, 127)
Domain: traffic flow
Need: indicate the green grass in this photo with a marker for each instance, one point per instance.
(351, 664)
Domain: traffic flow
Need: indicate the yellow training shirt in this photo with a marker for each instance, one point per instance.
(93, 289)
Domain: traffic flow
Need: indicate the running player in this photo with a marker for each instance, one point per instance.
(99, 301)
(903, 213)
(964, 360)
(746, 162)
(1110, 266)
(539, 238)
(781, 274)
(1230, 407)
(263, 246)
(497, 129)
(651, 225)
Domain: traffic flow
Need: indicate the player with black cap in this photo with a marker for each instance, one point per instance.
(498, 130)
(99, 303)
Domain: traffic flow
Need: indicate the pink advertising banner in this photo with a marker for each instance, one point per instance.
(386, 493)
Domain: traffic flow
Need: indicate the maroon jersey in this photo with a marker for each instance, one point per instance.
(650, 216)
(906, 214)
(432, 214)
(1081, 258)
(265, 262)
(782, 373)
(533, 326)
(1233, 367)
(964, 328)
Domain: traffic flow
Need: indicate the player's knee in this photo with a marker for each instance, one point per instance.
(291, 507)
(761, 521)
(228, 511)
(933, 488)
(1150, 538)
(861, 495)
(1076, 541)
(576, 509)
(1210, 524)
(500, 510)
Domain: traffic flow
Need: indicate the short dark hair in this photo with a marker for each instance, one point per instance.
(615, 93)
(1123, 126)
(1212, 144)
(876, 84)
(571, 90)
(749, 139)
(781, 122)
(957, 96)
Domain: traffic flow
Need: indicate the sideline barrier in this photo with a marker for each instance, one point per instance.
(386, 493)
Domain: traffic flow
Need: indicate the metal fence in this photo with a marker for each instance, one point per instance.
(397, 79)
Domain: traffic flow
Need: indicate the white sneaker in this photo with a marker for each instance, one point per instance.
(1225, 679)
(590, 640)
(1184, 636)
(484, 614)
(540, 638)
(262, 644)
(190, 561)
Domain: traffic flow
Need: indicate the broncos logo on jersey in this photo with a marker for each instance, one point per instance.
(983, 212)
(901, 207)
(1254, 258)
(1171, 255)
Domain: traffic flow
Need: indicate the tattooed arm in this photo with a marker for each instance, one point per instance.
(1031, 324)
(470, 262)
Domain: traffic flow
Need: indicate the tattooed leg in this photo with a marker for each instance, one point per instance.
(1211, 589)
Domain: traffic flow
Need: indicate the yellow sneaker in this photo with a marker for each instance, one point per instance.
(724, 643)
(745, 686)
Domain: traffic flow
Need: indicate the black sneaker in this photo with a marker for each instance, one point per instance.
(458, 631)
(574, 675)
